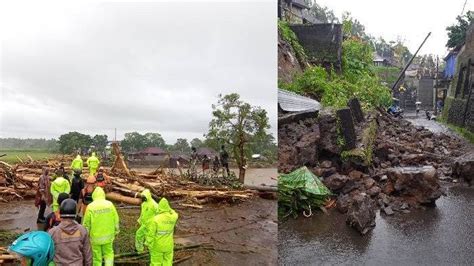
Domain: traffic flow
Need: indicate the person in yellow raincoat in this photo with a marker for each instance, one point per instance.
(149, 209)
(102, 222)
(58, 186)
(159, 236)
(77, 163)
(93, 164)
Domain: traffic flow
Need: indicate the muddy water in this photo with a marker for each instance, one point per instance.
(18, 216)
(436, 236)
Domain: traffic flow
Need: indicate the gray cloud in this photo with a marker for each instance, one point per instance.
(134, 66)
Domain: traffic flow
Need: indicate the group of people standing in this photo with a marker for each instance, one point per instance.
(83, 224)
(217, 162)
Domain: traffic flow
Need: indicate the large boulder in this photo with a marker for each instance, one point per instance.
(361, 213)
(419, 185)
(464, 167)
(335, 182)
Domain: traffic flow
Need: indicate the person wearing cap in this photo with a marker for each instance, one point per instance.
(86, 194)
(93, 164)
(102, 222)
(149, 209)
(159, 238)
(59, 185)
(53, 219)
(70, 238)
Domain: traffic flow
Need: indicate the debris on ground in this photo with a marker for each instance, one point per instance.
(19, 181)
(390, 164)
(301, 191)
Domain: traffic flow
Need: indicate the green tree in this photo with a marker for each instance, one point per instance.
(73, 141)
(323, 14)
(236, 123)
(133, 141)
(181, 145)
(100, 142)
(154, 140)
(352, 27)
(197, 143)
(457, 32)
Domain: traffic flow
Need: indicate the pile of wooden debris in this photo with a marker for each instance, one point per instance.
(20, 181)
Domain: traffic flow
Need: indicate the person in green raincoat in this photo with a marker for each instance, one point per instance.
(159, 238)
(58, 186)
(77, 163)
(149, 209)
(93, 164)
(102, 222)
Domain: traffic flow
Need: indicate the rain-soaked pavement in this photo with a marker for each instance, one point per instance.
(443, 235)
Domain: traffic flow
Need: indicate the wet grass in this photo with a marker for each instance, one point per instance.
(465, 133)
(125, 241)
(11, 155)
(7, 237)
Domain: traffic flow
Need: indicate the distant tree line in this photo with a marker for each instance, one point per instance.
(29, 144)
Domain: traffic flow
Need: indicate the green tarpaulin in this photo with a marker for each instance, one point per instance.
(300, 191)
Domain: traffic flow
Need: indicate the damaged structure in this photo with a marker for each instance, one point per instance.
(371, 161)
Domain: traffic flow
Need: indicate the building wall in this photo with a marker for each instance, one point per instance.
(459, 105)
(426, 93)
(321, 42)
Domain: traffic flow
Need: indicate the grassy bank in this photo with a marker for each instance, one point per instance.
(11, 155)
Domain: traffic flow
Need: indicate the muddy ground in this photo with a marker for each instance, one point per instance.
(244, 232)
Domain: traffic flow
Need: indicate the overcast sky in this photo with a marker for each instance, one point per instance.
(146, 67)
(409, 19)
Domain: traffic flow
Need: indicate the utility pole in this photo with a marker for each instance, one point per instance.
(409, 63)
(436, 86)
(115, 135)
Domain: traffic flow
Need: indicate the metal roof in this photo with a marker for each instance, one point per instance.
(292, 102)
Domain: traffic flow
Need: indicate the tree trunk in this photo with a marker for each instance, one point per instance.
(242, 162)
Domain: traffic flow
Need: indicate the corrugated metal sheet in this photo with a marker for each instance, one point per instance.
(292, 102)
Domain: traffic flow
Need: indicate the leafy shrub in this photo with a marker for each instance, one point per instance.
(358, 79)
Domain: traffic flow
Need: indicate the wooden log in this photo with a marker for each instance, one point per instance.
(211, 194)
(119, 163)
(19, 159)
(29, 178)
(114, 196)
(262, 188)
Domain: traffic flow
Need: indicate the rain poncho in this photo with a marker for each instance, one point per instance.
(159, 238)
(102, 221)
(77, 163)
(93, 164)
(59, 185)
(149, 209)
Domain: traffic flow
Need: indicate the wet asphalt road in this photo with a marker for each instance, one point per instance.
(443, 235)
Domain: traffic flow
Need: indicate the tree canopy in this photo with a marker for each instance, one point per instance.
(236, 123)
(457, 32)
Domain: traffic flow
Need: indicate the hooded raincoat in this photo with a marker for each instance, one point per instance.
(59, 185)
(77, 163)
(149, 209)
(93, 164)
(159, 238)
(102, 221)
